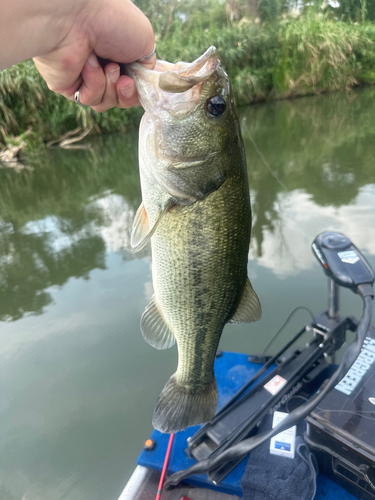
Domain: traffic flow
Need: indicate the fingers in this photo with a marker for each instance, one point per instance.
(101, 94)
(127, 92)
(98, 88)
(103, 89)
(93, 82)
(109, 98)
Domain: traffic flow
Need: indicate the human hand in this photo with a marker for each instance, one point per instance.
(115, 30)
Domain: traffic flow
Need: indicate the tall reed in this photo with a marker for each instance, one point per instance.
(321, 55)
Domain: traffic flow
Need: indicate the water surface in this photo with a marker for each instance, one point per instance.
(78, 383)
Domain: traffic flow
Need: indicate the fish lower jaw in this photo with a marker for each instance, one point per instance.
(174, 159)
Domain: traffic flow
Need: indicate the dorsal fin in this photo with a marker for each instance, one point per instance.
(141, 231)
(249, 308)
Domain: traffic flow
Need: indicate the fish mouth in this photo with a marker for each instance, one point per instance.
(173, 87)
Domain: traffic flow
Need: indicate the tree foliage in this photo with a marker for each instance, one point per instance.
(354, 10)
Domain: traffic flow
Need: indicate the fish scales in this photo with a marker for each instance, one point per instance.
(196, 213)
(197, 299)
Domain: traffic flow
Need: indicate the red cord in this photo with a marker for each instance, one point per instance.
(160, 487)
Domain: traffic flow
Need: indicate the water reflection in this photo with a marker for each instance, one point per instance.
(311, 167)
(77, 381)
(55, 221)
(287, 251)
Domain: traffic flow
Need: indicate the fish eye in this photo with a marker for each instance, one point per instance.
(215, 106)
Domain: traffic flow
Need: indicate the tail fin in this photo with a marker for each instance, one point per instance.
(179, 407)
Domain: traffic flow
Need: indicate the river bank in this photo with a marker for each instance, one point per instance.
(290, 58)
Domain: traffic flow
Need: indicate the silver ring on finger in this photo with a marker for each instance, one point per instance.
(148, 57)
(76, 97)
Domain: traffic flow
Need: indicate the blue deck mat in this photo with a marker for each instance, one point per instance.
(232, 371)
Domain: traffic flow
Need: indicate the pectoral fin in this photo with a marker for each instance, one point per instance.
(141, 231)
(154, 328)
(249, 308)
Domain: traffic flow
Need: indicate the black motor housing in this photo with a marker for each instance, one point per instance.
(341, 260)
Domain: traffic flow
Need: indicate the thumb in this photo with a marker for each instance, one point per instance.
(123, 34)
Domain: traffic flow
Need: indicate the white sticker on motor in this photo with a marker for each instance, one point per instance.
(275, 384)
(349, 257)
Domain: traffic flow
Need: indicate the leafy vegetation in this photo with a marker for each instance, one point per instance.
(270, 50)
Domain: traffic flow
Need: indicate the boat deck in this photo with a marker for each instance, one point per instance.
(144, 483)
(232, 371)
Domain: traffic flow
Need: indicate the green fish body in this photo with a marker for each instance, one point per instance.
(196, 212)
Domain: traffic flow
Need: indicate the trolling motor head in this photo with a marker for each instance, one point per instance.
(342, 261)
(344, 265)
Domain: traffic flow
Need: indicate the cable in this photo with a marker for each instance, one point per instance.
(165, 465)
(241, 449)
(266, 162)
(285, 323)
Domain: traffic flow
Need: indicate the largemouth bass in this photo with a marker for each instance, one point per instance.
(196, 212)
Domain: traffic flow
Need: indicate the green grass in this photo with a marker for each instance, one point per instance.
(292, 57)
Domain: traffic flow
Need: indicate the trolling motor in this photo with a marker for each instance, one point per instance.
(222, 443)
(344, 265)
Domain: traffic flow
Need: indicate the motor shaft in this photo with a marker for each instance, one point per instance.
(333, 299)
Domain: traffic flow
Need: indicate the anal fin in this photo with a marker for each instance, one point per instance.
(154, 328)
(249, 308)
